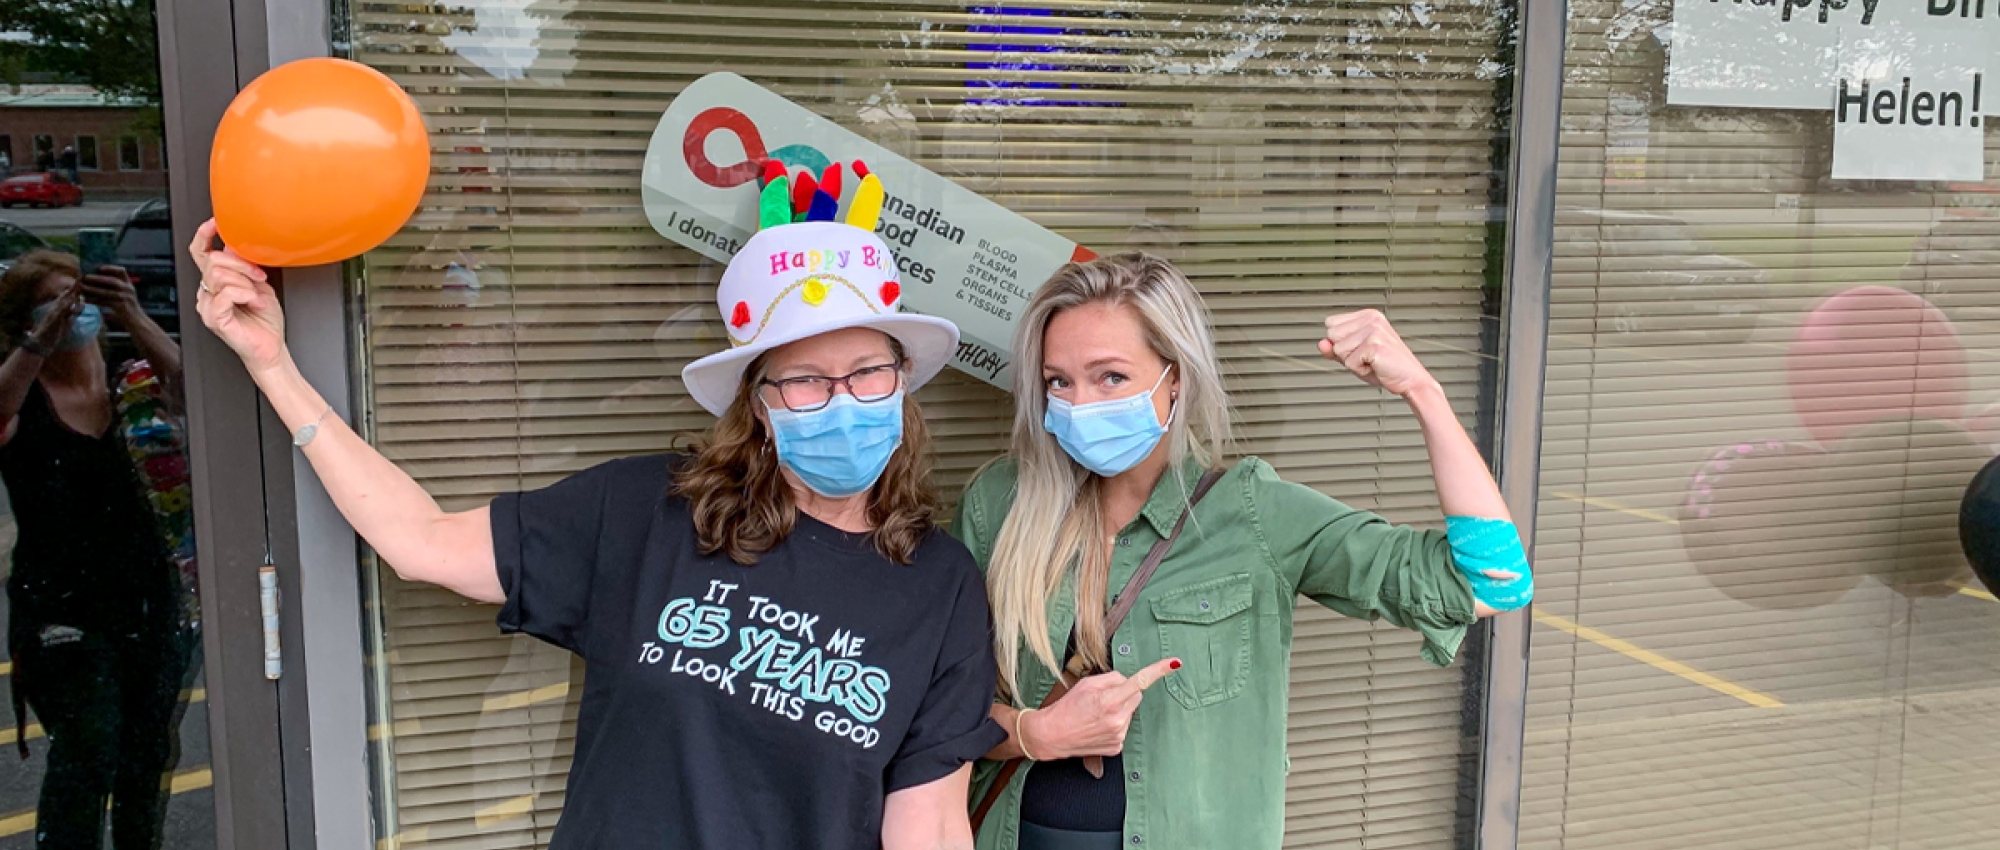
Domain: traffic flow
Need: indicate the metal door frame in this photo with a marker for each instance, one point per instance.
(269, 757)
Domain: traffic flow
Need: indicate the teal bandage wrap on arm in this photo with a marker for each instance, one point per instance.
(1488, 552)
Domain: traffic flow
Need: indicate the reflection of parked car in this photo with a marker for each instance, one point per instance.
(15, 241)
(40, 189)
(146, 250)
(1657, 278)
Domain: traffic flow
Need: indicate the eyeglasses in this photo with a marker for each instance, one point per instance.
(807, 393)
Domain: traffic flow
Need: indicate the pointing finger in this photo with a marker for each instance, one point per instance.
(1131, 704)
(1148, 676)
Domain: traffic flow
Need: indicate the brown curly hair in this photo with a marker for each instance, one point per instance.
(21, 283)
(742, 505)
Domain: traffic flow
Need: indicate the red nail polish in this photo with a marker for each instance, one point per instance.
(1174, 664)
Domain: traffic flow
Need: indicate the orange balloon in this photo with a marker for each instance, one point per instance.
(317, 161)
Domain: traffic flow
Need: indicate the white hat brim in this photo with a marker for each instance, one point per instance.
(929, 343)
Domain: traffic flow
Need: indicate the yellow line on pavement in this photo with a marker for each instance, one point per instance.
(193, 780)
(183, 782)
(504, 810)
(413, 835)
(1658, 661)
(523, 699)
(1607, 504)
(497, 703)
(17, 824)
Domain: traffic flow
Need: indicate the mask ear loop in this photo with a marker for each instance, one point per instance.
(1173, 398)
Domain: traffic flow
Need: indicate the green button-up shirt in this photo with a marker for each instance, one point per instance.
(1205, 755)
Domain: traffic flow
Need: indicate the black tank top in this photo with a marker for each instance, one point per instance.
(1063, 795)
(89, 552)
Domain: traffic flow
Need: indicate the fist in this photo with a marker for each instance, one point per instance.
(1363, 343)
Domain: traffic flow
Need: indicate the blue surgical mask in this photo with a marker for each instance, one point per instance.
(841, 449)
(1108, 437)
(83, 328)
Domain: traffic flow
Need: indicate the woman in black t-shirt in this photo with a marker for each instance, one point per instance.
(782, 651)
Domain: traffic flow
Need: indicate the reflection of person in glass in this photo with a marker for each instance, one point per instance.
(96, 608)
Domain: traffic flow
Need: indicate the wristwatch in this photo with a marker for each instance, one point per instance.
(28, 343)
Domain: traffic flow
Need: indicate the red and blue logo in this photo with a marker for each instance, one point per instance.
(694, 149)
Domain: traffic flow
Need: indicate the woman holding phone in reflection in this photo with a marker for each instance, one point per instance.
(95, 603)
(1120, 419)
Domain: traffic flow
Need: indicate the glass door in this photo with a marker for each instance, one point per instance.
(133, 454)
(109, 702)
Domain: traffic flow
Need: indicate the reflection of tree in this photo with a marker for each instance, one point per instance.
(106, 44)
(1626, 48)
(507, 41)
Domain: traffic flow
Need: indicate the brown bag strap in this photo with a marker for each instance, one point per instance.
(1072, 671)
(1121, 604)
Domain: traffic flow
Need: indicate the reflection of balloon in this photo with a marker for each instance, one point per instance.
(1979, 524)
(317, 161)
(1873, 353)
(1908, 476)
(1736, 500)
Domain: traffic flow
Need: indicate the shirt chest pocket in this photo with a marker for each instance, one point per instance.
(1207, 627)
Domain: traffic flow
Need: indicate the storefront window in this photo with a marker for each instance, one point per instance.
(1767, 391)
(106, 705)
(1295, 160)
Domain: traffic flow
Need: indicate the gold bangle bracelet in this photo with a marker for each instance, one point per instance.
(1021, 740)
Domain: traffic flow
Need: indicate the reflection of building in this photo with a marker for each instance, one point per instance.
(117, 146)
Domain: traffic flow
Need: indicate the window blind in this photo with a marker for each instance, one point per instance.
(527, 323)
(1766, 393)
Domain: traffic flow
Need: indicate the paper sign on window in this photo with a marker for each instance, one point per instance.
(1907, 107)
(1797, 54)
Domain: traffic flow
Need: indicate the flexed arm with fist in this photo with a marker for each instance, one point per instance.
(1364, 343)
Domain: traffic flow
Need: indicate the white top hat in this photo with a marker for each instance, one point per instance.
(794, 281)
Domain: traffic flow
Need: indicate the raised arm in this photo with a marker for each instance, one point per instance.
(1485, 546)
(24, 362)
(389, 510)
(111, 289)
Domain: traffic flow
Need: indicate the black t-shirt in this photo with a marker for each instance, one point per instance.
(724, 706)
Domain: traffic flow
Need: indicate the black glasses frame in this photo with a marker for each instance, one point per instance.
(833, 384)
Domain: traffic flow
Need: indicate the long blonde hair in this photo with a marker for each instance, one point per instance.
(1058, 500)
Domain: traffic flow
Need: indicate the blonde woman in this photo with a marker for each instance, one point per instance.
(1119, 411)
